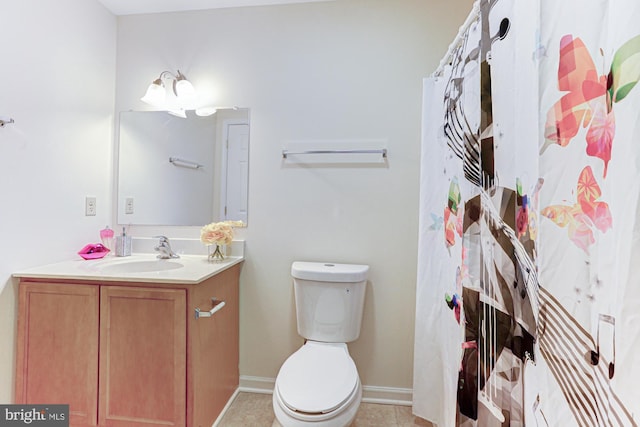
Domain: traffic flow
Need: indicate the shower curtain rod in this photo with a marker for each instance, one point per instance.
(471, 18)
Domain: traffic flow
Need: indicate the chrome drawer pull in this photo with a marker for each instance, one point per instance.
(217, 306)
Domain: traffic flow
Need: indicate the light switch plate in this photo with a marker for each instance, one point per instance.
(128, 206)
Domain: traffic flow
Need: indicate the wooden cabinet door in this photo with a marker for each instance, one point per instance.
(214, 347)
(224, 362)
(57, 348)
(142, 357)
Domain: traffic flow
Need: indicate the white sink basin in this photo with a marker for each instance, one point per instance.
(147, 266)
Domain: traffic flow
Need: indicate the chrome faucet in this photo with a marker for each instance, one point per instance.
(164, 247)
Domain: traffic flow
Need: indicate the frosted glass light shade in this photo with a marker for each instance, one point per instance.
(205, 111)
(178, 113)
(155, 94)
(185, 92)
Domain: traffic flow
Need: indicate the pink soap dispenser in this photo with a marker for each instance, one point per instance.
(106, 235)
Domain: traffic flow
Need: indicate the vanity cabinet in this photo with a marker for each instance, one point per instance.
(129, 353)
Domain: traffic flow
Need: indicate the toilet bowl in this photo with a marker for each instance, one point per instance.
(318, 385)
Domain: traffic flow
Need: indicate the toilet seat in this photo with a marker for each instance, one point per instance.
(318, 378)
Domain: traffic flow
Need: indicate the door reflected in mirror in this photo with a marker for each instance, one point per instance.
(183, 171)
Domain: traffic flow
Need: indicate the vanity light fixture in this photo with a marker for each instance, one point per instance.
(182, 89)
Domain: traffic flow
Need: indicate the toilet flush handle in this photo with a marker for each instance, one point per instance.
(217, 306)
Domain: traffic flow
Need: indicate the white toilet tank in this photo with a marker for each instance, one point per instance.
(329, 300)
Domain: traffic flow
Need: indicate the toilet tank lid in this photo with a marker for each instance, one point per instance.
(329, 272)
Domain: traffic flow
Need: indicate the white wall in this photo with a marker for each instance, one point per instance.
(57, 81)
(350, 69)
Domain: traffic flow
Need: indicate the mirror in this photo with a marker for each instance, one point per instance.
(182, 171)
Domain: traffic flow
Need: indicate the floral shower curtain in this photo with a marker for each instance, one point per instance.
(527, 299)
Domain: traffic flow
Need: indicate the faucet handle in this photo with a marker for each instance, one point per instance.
(164, 247)
(163, 239)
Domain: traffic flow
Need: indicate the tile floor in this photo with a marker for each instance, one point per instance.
(255, 410)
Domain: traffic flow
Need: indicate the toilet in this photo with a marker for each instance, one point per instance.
(318, 385)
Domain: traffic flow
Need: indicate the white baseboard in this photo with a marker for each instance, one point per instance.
(387, 395)
(252, 384)
(226, 408)
(370, 394)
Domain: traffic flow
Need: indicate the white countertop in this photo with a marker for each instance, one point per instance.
(188, 269)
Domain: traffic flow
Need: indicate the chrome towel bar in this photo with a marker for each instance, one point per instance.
(382, 151)
(184, 163)
(217, 306)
